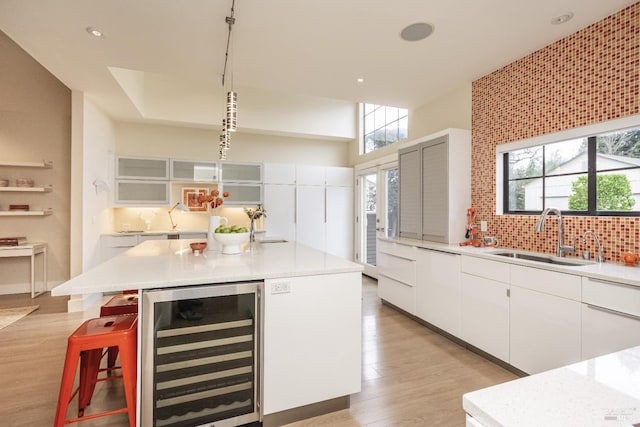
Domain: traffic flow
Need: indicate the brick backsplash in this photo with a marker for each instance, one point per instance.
(588, 77)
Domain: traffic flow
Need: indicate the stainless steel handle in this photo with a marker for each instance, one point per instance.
(325, 205)
(615, 312)
(402, 282)
(295, 205)
(607, 282)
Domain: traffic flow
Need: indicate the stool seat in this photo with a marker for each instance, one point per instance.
(86, 344)
(120, 304)
(126, 303)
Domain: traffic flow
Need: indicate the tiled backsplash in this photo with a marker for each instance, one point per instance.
(588, 77)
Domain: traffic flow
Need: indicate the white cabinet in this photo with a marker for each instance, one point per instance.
(279, 203)
(115, 245)
(544, 319)
(485, 305)
(610, 317)
(438, 289)
(194, 171)
(310, 216)
(435, 186)
(240, 172)
(242, 194)
(147, 168)
(279, 173)
(312, 205)
(397, 270)
(312, 340)
(141, 181)
(141, 193)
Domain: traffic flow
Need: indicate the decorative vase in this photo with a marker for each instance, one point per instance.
(214, 222)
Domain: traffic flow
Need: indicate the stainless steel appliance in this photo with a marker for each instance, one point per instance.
(201, 355)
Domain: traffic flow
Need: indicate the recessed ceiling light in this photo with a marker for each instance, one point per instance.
(360, 80)
(561, 19)
(94, 32)
(417, 31)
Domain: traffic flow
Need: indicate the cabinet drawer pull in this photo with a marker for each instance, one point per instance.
(397, 256)
(615, 312)
(607, 282)
(438, 251)
(402, 282)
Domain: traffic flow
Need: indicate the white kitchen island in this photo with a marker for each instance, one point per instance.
(311, 316)
(603, 392)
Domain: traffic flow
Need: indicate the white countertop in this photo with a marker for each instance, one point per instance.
(155, 232)
(170, 263)
(604, 391)
(613, 271)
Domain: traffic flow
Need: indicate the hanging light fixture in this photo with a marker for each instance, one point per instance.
(229, 123)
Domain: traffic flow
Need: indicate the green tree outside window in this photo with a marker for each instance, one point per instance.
(614, 193)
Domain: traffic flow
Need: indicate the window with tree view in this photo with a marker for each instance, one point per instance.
(595, 175)
(383, 126)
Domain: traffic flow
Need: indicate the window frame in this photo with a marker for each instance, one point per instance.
(363, 115)
(590, 132)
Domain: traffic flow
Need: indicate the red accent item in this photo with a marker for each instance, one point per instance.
(86, 344)
(118, 305)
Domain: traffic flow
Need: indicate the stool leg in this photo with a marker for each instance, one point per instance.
(89, 366)
(112, 356)
(68, 375)
(128, 361)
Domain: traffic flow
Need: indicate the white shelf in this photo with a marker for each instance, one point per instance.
(45, 164)
(27, 189)
(26, 213)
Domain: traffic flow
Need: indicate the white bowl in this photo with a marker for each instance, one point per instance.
(231, 242)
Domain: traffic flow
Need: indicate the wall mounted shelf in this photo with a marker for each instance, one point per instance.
(27, 189)
(45, 164)
(27, 213)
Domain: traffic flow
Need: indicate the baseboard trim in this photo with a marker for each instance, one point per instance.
(308, 411)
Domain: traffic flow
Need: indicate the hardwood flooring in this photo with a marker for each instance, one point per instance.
(411, 376)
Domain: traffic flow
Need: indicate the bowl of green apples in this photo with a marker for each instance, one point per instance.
(231, 237)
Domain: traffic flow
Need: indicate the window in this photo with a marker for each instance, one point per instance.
(593, 175)
(382, 126)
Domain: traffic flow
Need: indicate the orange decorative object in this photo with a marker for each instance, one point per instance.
(629, 258)
(225, 194)
(215, 193)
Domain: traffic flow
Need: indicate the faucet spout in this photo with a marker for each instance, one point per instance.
(562, 248)
(600, 256)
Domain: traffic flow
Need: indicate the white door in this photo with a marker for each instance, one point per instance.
(310, 216)
(279, 203)
(339, 227)
(377, 211)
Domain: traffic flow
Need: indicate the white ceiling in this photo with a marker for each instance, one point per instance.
(299, 47)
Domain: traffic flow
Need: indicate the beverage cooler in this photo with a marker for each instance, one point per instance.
(201, 355)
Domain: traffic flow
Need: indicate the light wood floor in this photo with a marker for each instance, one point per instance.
(411, 375)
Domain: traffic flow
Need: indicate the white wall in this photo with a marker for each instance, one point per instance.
(193, 143)
(98, 142)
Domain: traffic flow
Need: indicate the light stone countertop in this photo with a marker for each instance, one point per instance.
(154, 232)
(603, 392)
(170, 263)
(612, 271)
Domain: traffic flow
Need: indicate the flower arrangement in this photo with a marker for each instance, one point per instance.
(256, 213)
(213, 198)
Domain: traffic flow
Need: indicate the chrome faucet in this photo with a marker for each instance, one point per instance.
(600, 256)
(540, 227)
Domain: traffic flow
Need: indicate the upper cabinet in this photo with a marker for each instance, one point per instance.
(279, 173)
(435, 187)
(194, 171)
(240, 172)
(142, 168)
(141, 181)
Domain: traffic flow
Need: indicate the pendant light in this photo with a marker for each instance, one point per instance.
(229, 123)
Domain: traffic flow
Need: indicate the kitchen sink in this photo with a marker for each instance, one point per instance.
(546, 259)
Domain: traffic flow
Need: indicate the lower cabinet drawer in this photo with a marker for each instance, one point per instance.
(400, 294)
(397, 267)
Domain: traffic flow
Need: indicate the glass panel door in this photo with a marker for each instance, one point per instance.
(377, 213)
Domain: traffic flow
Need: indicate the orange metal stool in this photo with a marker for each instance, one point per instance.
(118, 304)
(86, 344)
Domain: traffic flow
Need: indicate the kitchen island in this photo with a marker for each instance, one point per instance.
(311, 316)
(604, 391)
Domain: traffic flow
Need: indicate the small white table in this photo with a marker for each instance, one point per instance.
(31, 250)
